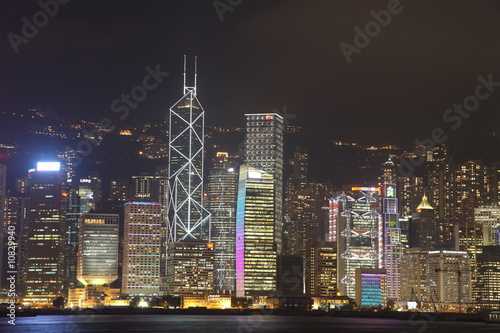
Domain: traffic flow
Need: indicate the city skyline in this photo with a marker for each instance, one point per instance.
(269, 157)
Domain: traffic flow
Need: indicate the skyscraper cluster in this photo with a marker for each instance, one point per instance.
(215, 227)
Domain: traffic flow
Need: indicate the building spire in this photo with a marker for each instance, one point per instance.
(186, 87)
(424, 204)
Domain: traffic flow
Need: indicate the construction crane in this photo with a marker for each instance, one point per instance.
(416, 298)
(432, 300)
(459, 275)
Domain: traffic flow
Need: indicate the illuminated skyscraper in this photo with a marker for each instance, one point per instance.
(97, 259)
(423, 228)
(187, 218)
(255, 233)
(327, 271)
(46, 229)
(442, 195)
(222, 194)
(472, 182)
(190, 268)
(264, 151)
(98, 249)
(413, 274)
(142, 249)
(371, 287)
(449, 279)
(392, 240)
(488, 278)
(357, 227)
(389, 173)
(488, 218)
(84, 195)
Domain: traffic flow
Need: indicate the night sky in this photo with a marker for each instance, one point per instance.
(265, 54)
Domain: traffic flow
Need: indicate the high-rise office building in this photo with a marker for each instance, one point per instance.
(356, 225)
(222, 195)
(306, 214)
(143, 188)
(190, 268)
(410, 191)
(294, 207)
(187, 218)
(149, 188)
(442, 195)
(84, 195)
(255, 233)
(488, 218)
(404, 224)
(264, 151)
(472, 181)
(423, 228)
(413, 274)
(327, 271)
(488, 278)
(70, 159)
(98, 249)
(119, 190)
(392, 248)
(371, 287)
(389, 173)
(142, 248)
(45, 242)
(448, 277)
(97, 259)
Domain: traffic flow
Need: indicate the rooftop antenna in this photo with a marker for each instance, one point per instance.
(185, 74)
(188, 88)
(195, 72)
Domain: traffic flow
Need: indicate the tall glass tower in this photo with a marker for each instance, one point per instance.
(255, 239)
(392, 250)
(222, 194)
(264, 151)
(187, 218)
(45, 245)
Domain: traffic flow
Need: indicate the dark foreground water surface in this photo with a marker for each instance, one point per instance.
(256, 323)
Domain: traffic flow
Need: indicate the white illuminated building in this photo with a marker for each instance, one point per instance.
(187, 218)
(142, 248)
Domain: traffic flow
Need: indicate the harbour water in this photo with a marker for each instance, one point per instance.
(252, 323)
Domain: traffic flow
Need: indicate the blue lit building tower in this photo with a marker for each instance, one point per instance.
(392, 249)
(187, 218)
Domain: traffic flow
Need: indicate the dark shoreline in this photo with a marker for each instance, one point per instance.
(278, 312)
